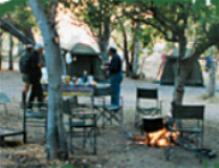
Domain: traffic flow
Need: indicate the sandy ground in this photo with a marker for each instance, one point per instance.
(114, 149)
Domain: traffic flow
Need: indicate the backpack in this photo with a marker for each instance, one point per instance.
(24, 63)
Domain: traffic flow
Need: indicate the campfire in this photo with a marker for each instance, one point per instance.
(160, 138)
(156, 133)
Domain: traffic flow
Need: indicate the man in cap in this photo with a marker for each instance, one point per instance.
(115, 70)
(36, 64)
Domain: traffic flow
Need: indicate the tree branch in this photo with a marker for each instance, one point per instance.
(10, 28)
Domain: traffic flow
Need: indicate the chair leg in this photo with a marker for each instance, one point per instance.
(121, 116)
(71, 139)
(95, 141)
(24, 129)
(5, 109)
(168, 153)
(95, 135)
(45, 129)
(136, 124)
(25, 137)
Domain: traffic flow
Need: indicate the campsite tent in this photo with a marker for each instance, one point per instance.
(85, 58)
(169, 72)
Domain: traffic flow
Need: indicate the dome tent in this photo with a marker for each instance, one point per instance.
(170, 68)
(83, 49)
(85, 58)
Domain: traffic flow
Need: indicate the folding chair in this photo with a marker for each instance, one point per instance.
(188, 123)
(113, 114)
(101, 94)
(151, 99)
(82, 124)
(36, 117)
(107, 112)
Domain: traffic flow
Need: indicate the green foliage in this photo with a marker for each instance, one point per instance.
(92, 15)
(22, 17)
(19, 14)
(198, 6)
(10, 6)
(148, 34)
(99, 12)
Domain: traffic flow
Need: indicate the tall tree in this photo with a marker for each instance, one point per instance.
(127, 33)
(136, 50)
(56, 141)
(171, 19)
(98, 16)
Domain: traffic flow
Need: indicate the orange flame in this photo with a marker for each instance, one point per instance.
(160, 138)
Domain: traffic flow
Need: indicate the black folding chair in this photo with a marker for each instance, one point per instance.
(107, 112)
(36, 117)
(188, 124)
(82, 125)
(152, 104)
(101, 94)
(113, 114)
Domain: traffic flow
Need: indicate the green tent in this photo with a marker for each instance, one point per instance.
(170, 68)
(85, 58)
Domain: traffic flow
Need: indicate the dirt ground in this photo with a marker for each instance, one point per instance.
(114, 149)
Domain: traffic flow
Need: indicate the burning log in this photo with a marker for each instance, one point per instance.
(158, 136)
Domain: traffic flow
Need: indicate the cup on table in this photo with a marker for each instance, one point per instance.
(67, 79)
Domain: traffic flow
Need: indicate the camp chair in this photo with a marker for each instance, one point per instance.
(188, 123)
(36, 117)
(6, 130)
(82, 124)
(149, 96)
(101, 94)
(113, 114)
(107, 112)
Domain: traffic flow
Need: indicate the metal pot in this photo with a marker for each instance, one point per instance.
(152, 123)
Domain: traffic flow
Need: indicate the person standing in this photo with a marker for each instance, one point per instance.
(36, 63)
(24, 66)
(115, 72)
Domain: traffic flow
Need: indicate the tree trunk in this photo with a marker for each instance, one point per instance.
(212, 79)
(56, 141)
(185, 68)
(182, 71)
(104, 37)
(1, 50)
(136, 51)
(125, 49)
(10, 54)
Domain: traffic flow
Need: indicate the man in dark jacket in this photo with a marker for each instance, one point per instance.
(35, 76)
(115, 70)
